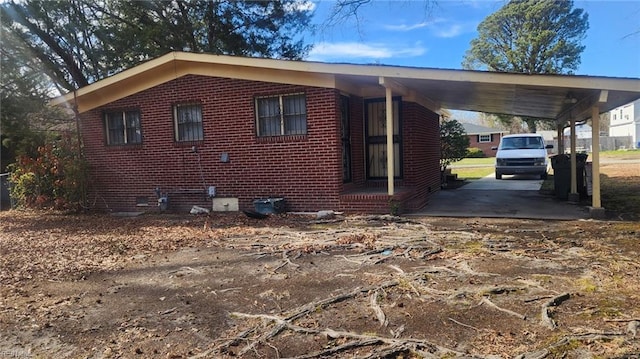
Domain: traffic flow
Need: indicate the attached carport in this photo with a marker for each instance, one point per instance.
(562, 99)
(517, 196)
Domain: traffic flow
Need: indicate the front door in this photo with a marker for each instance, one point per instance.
(376, 138)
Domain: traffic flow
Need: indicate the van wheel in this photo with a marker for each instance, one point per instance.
(498, 175)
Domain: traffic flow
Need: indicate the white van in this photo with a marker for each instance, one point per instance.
(522, 154)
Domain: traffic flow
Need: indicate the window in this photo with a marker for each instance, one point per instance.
(281, 115)
(484, 138)
(123, 127)
(188, 122)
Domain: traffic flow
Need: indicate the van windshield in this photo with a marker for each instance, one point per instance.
(518, 143)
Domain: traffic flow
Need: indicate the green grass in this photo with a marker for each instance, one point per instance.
(621, 195)
(472, 173)
(473, 168)
(489, 161)
(619, 154)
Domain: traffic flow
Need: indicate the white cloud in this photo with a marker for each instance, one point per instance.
(354, 50)
(301, 5)
(405, 27)
(439, 27)
(452, 30)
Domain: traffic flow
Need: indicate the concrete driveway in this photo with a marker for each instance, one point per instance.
(512, 197)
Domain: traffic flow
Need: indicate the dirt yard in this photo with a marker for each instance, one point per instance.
(222, 286)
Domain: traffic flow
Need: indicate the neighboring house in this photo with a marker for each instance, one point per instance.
(583, 138)
(484, 137)
(583, 131)
(550, 138)
(625, 121)
(172, 128)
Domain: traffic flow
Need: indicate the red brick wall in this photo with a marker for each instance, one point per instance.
(421, 146)
(485, 146)
(306, 170)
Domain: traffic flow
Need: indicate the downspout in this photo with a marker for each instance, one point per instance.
(76, 115)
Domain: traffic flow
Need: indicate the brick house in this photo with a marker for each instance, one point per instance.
(483, 138)
(354, 138)
(176, 126)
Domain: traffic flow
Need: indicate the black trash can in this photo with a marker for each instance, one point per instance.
(561, 165)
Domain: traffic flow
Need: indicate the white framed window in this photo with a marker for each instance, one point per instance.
(123, 127)
(281, 115)
(187, 120)
(484, 138)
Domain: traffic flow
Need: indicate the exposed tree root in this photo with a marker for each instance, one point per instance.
(273, 325)
(377, 310)
(357, 340)
(585, 337)
(339, 348)
(464, 325)
(287, 261)
(486, 301)
(547, 321)
(282, 323)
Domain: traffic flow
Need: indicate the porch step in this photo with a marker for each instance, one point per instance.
(374, 201)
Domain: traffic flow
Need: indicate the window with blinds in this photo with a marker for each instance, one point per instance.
(281, 115)
(123, 127)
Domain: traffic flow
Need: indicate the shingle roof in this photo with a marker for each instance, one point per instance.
(473, 129)
(540, 96)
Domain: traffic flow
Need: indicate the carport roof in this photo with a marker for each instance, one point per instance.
(555, 97)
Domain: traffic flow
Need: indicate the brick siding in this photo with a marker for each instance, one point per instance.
(304, 169)
(485, 146)
(421, 147)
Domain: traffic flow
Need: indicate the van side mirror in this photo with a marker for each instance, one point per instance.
(494, 148)
(548, 146)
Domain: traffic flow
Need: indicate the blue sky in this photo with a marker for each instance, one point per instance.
(406, 33)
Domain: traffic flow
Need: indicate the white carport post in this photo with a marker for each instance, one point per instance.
(560, 130)
(596, 210)
(574, 197)
(390, 154)
(389, 84)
